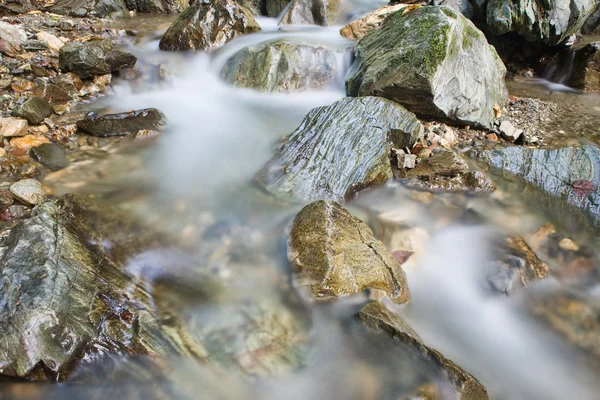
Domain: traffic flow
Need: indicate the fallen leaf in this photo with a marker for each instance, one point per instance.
(410, 8)
(583, 188)
(402, 256)
(497, 111)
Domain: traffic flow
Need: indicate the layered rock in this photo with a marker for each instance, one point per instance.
(95, 57)
(207, 25)
(357, 29)
(335, 254)
(340, 149)
(128, 123)
(282, 66)
(433, 61)
(379, 319)
(34, 110)
(311, 12)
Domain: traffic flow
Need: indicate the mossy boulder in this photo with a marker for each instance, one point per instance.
(340, 149)
(311, 12)
(379, 319)
(335, 254)
(207, 25)
(549, 22)
(95, 57)
(435, 63)
(282, 66)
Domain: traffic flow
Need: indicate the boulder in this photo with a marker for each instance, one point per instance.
(157, 6)
(570, 175)
(69, 82)
(51, 93)
(592, 24)
(357, 29)
(311, 12)
(207, 25)
(88, 8)
(550, 22)
(34, 110)
(379, 319)
(95, 57)
(28, 191)
(10, 127)
(274, 7)
(12, 33)
(282, 66)
(462, 6)
(122, 124)
(434, 62)
(50, 155)
(335, 254)
(340, 149)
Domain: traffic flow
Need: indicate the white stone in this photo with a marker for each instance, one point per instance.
(28, 191)
(11, 126)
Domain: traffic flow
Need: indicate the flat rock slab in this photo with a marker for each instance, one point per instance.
(10, 127)
(335, 254)
(28, 191)
(51, 155)
(122, 124)
(340, 149)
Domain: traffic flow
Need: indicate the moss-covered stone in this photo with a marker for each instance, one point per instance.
(434, 62)
(335, 254)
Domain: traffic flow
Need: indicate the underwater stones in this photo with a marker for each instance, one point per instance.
(121, 124)
(340, 149)
(34, 110)
(95, 57)
(311, 12)
(435, 63)
(282, 66)
(28, 191)
(549, 22)
(377, 318)
(207, 25)
(335, 254)
(570, 175)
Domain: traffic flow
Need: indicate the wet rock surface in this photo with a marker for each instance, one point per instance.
(207, 25)
(340, 149)
(431, 68)
(379, 319)
(34, 110)
(95, 57)
(282, 66)
(357, 29)
(28, 191)
(50, 155)
(128, 123)
(311, 12)
(335, 254)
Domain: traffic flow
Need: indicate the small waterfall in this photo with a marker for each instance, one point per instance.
(560, 69)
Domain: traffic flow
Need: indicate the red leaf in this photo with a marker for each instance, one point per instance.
(583, 188)
(402, 256)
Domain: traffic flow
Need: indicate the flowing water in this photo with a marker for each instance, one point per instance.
(195, 182)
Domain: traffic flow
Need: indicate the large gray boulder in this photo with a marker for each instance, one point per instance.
(95, 57)
(434, 62)
(550, 22)
(282, 66)
(207, 25)
(311, 12)
(340, 149)
(335, 254)
(570, 175)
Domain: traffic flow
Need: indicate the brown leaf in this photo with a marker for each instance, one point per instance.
(410, 8)
(402, 256)
(497, 111)
(583, 188)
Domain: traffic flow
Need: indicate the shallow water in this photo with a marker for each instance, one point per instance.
(197, 178)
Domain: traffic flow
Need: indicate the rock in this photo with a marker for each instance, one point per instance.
(122, 124)
(434, 62)
(89, 8)
(551, 22)
(157, 6)
(27, 142)
(22, 85)
(28, 191)
(34, 110)
(592, 24)
(51, 155)
(569, 175)
(340, 149)
(441, 162)
(95, 57)
(405, 161)
(12, 33)
(311, 12)
(54, 43)
(18, 211)
(377, 318)
(510, 133)
(6, 198)
(10, 49)
(207, 25)
(10, 127)
(51, 93)
(357, 29)
(462, 6)
(274, 7)
(281, 66)
(516, 266)
(35, 45)
(335, 254)
(69, 82)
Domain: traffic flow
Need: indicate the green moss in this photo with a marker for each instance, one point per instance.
(470, 34)
(438, 47)
(449, 12)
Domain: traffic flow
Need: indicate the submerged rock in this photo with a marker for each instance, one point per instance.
(434, 62)
(127, 123)
(207, 25)
(379, 319)
(34, 110)
(550, 22)
(95, 57)
(281, 66)
(570, 174)
(51, 155)
(335, 254)
(340, 149)
(311, 12)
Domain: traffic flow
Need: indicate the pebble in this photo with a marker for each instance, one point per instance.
(509, 132)
(54, 43)
(50, 155)
(11, 126)
(28, 191)
(28, 141)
